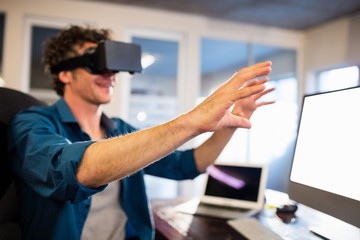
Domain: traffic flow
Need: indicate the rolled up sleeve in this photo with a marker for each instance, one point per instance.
(45, 159)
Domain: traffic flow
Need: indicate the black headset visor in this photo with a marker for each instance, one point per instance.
(108, 56)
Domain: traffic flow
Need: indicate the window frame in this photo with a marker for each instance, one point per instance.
(30, 21)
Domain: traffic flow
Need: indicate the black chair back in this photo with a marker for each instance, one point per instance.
(11, 102)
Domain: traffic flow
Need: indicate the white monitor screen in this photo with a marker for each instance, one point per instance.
(327, 154)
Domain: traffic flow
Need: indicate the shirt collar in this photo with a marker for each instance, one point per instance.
(64, 111)
(67, 116)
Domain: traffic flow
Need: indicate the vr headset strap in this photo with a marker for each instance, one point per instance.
(71, 63)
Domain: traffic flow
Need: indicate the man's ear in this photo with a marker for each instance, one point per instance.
(65, 76)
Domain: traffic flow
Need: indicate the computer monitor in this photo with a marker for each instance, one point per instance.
(325, 173)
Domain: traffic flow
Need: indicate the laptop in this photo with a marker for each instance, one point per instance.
(230, 190)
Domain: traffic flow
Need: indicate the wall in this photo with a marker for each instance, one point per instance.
(331, 45)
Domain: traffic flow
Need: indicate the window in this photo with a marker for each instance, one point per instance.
(153, 92)
(273, 127)
(338, 78)
(36, 30)
(153, 98)
(220, 59)
(38, 78)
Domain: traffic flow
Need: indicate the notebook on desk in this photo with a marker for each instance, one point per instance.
(230, 190)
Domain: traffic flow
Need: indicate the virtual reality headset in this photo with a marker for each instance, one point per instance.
(108, 56)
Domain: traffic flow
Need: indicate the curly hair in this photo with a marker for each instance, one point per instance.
(63, 46)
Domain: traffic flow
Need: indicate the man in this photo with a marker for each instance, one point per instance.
(80, 173)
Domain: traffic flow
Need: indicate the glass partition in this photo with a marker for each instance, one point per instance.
(153, 98)
(38, 78)
(153, 92)
(271, 137)
(40, 83)
(220, 59)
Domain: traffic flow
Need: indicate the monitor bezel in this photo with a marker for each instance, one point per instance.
(319, 199)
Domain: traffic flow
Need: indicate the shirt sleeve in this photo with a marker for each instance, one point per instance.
(178, 165)
(44, 160)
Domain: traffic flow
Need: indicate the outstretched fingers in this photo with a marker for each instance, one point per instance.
(257, 88)
(259, 95)
(215, 113)
(240, 122)
(250, 73)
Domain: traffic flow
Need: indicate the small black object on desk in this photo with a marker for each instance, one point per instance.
(287, 212)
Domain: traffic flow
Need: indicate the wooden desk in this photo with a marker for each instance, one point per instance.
(183, 226)
(174, 225)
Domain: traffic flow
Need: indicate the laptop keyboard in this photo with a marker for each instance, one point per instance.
(223, 212)
(194, 206)
(252, 229)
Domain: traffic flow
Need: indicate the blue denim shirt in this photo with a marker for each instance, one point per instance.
(46, 145)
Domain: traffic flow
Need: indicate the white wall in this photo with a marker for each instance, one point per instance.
(331, 45)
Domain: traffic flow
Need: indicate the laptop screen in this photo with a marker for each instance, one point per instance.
(236, 185)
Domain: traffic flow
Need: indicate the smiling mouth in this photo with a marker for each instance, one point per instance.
(105, 84)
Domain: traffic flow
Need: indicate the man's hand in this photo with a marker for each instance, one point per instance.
(246, 106)
(214, 113)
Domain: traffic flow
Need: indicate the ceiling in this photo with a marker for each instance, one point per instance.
(288, 14)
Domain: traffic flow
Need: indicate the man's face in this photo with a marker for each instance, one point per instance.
(92, 88)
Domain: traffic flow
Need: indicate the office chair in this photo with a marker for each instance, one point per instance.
(11, 102)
